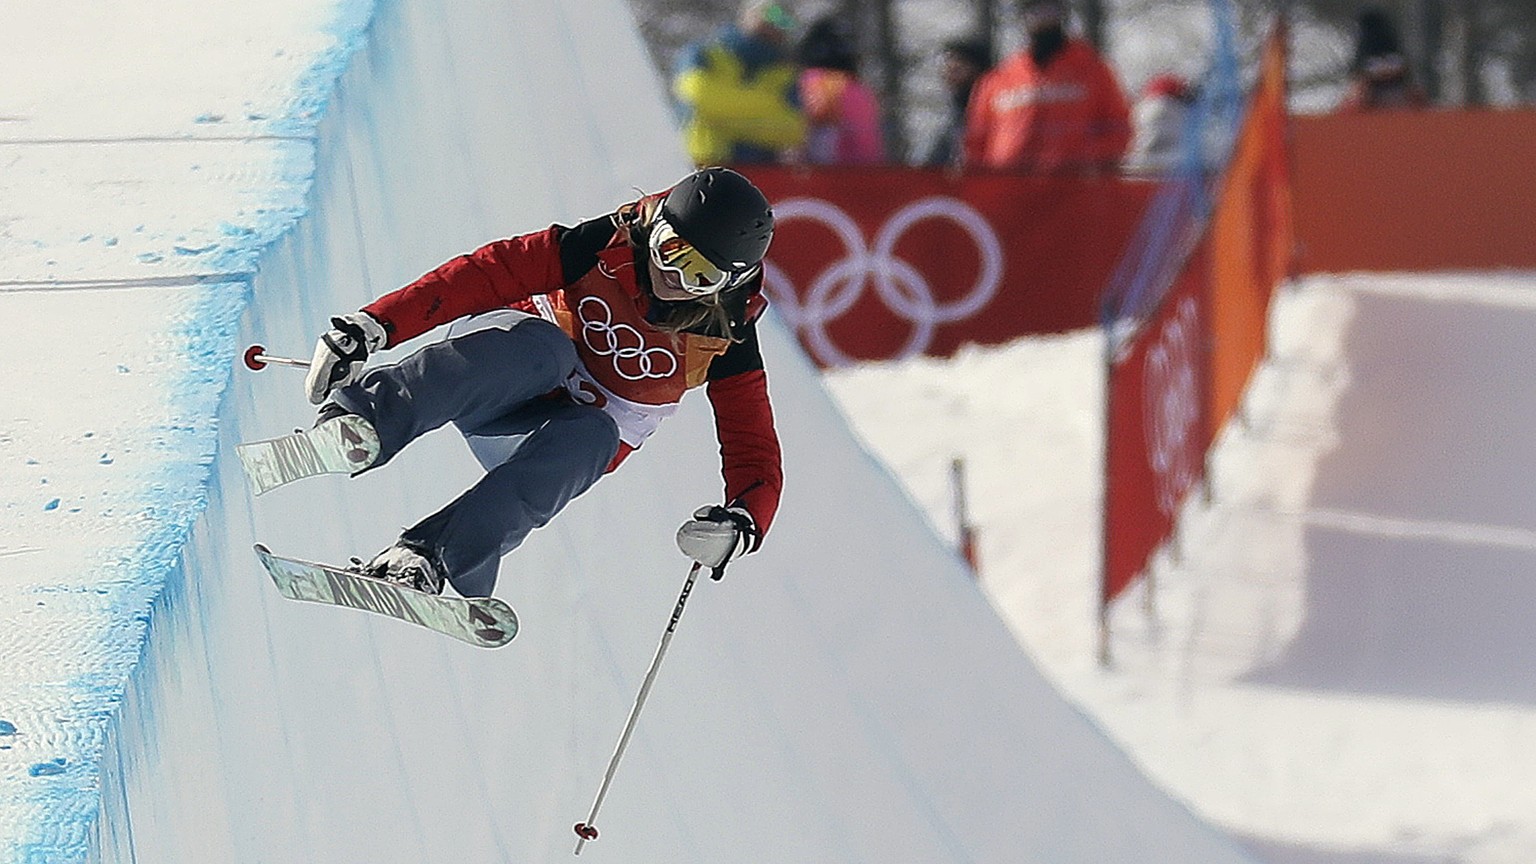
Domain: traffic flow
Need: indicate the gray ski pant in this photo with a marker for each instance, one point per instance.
(539, 450)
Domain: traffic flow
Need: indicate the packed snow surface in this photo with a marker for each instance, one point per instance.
(182, 181)
(1335, 667)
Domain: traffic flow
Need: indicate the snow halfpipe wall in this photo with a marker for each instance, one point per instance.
(845, 695)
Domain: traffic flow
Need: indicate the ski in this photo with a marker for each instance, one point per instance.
(485, 622)
(341, 445)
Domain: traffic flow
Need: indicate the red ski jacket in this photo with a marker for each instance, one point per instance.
(1069, 116)
(587, 280)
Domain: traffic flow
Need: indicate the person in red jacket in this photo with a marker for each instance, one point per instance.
(569, 347)
(1053, 107)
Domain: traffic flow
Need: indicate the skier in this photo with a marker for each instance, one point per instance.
(580, 341)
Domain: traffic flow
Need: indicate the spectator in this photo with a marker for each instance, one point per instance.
(1158, 121)
(964, 62)
(843, 113)
(1054, 106)
(739, 90)
(1379, 75)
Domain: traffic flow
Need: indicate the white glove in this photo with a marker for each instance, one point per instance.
(340, 353)
(716, 536)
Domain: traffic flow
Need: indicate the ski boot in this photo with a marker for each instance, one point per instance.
(407, 565)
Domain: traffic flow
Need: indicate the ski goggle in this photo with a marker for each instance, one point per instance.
(685, 268)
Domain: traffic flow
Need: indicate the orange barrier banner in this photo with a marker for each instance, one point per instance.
(1176, 380)
(1415, 190)
(1251, 238)
(879, 263)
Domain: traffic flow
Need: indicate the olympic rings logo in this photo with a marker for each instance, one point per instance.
(899, 286)
(1171, 400)
(613, 341)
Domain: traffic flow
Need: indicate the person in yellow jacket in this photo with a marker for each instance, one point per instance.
(738, 91)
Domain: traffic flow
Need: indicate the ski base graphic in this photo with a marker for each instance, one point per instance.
(341, 445)
(481, 621)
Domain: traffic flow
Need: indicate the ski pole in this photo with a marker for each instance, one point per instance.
(587, 830)
(256, 359)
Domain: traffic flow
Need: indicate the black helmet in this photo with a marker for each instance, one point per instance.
(722, 215)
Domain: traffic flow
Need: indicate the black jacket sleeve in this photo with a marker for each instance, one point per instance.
(579, 246)
(742, 356)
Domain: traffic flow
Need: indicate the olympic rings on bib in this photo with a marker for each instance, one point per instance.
(633, 360)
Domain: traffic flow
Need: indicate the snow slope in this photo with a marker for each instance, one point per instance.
(189, 183)
(1336, 670)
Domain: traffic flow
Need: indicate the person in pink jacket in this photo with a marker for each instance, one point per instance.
(843, 112)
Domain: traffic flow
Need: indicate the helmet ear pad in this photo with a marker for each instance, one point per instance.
(723, 215)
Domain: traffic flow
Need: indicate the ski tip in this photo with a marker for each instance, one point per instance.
(493, 621)
(261, 549)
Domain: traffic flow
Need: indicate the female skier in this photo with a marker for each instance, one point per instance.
(589, 338)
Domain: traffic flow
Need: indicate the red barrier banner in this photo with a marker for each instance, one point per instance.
(1416, 190)
(881, 263)
(1155, 449)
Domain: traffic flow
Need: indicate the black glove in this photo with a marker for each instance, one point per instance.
(340, 353)
(716, 536)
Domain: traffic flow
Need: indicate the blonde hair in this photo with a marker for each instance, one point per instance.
(705, 315)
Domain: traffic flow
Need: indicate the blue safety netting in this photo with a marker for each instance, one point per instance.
(1177, 216)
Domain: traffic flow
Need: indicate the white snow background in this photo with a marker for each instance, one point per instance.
(1336, 667)
(181, 181)
(1336, 672)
